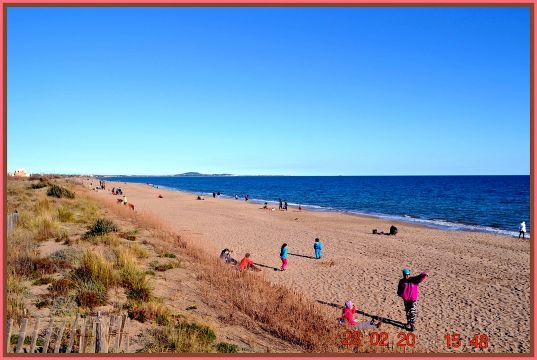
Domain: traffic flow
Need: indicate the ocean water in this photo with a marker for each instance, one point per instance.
(495, 204)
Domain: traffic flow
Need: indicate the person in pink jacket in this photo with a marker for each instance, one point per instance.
(408, 289)
(348, 318)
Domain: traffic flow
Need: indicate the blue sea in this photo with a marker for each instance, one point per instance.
(495, 204)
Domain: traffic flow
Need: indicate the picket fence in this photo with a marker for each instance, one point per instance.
(90, 334)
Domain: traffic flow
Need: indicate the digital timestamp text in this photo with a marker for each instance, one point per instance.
(408, 339)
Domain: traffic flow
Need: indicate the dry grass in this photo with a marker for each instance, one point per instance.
(16, 292)
(284, 313)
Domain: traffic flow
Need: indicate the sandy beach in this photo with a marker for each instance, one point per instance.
(478, 283)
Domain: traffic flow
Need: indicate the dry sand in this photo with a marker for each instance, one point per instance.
(478, 283)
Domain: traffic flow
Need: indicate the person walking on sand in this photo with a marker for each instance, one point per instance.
(522, 230)
(283, 256)
(285, 205)
(281, 203)
(408, 289)
(317, 246)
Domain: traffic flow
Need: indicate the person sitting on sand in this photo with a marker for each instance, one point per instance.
(247, 263)
(199, 198)
(283, 257)
(226, 256)
(393, 230)
(347, 317)
(408, 290)
(265, 206)
(318, 247)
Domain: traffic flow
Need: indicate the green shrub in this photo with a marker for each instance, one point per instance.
(91, 294)
(168, 255)
(43, 281)
(101, 227)
(59, 192)
(38, 185)
(182, 338)
(226, 348)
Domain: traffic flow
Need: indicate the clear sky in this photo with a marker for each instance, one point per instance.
(291, 91)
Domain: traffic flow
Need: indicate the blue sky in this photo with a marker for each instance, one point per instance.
(292, 91)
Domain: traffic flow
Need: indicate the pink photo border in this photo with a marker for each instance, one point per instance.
(3, 138)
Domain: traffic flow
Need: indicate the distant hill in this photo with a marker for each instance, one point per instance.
(192, 173)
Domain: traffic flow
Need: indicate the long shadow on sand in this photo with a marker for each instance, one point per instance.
(375, 317)
(304, 256)
(266, 266)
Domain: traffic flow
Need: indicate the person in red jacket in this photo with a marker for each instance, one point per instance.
(408, 289)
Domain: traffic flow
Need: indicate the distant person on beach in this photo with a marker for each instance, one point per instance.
(247, 263)
(214, 194)
(124, 200)
(200, 198)
(218, 193)
(522, 230)
(281, 203)
(246, 197)
(236, 197)
(285, 205)
(318, 247)
(347, 317)
(226, 256)
(408, 289)
(265, 206)
(299, 207)
(283, 256)
(393, 230)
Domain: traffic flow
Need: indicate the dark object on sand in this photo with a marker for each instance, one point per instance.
(393, 231)
(160, 196)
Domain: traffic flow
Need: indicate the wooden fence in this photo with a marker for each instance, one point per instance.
(91, 334)
(12, 221)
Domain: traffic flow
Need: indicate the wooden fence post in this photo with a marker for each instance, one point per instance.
(35, 335)
(120, 322)
(121, 333)
(59, 338)
(93, 343)
(9, 329)
(22, 335)
(73, 335)
(82, 342)
(48, 334)
(127, 323)
(99, 336)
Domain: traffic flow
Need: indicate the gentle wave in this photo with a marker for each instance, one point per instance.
(410, 219)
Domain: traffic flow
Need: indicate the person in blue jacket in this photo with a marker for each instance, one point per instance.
(318, 247)
(283, 256)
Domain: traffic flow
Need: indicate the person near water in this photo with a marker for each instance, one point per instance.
(285, 205)
(299, 207)
(317, 246)
(236, 197)
(408, 289)
(283, 256)
(522, 230)
(347, 317)
(247, 263)
(214, 194)
(281, 203)
(265, 206)
(246, 197)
